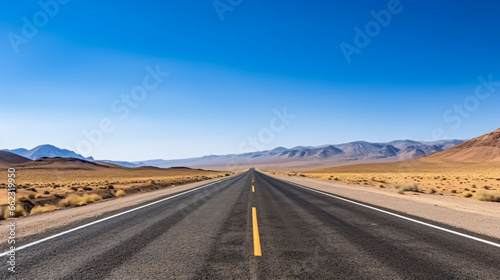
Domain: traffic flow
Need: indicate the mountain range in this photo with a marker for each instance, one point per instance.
(47, 151)
(309, 156)
(353, 152)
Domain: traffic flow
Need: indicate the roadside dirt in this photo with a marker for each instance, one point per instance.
(477, 216)
(39, 223)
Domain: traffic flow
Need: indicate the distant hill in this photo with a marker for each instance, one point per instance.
(485, 148)
(7, 158)
(64, 163)
(47, 151)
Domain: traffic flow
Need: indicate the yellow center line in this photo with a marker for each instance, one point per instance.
(253, 188)
(256, 238)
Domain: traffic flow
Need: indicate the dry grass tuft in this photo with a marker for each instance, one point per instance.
(407, 188)
(42, 209)
(489, 196)
(120, 193)
(18, 212)
(77, 200)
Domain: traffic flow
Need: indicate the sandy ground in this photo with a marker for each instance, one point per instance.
(39, 223)
(471, 180)
(477, 216)
(48, 180)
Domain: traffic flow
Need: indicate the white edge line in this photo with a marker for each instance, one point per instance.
(110, 217)
(397, 215)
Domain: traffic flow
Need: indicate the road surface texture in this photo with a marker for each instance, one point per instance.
(216, 231)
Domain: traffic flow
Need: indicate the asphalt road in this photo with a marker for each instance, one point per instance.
(213, 233)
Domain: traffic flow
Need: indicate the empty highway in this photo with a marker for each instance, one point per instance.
(253, 226)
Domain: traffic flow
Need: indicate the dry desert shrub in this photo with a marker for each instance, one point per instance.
(489, 196)
(18, 212)
(77, 200)
(120, 193)
(42, 209)
(407, 188)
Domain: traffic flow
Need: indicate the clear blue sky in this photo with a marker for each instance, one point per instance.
(226, 76)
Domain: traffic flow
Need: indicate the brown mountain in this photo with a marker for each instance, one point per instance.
(65, 163)
(485, 148)
(8, 158)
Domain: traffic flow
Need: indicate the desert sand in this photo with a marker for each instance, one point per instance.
(48, 184)
(473, 215)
